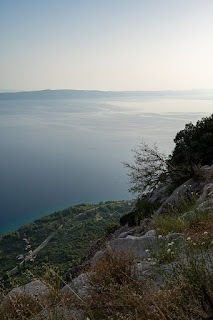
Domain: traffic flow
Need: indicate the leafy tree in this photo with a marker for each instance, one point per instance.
(194, 145)
(193, 148)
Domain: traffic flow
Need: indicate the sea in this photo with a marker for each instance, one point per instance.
(55, 153)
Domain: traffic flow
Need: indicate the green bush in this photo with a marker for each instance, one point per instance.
(143, 209)
(110, 228)
(193, 147)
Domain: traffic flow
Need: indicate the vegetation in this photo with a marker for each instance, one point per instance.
(193, 148)
(183, 293)
(148, 168)
(186, 293)
(194, 145)
(151, 169)
(143, 209)
(74, 230)
(116, 290)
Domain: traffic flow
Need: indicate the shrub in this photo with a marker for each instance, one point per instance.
(193, 148)
(110, 228)
(143, 209)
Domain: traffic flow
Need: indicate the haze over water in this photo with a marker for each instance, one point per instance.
(57, 153)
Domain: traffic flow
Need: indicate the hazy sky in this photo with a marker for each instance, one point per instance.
(106, 44)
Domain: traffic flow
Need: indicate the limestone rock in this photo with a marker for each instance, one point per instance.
(138, 230)
(146, 270)
(207, 193)
(79, 285)
(182, 192)
(206, 205)
(138, 245)
(35, 289)
(160, 194)
(151, 233)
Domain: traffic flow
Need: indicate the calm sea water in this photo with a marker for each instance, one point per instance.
(57, 153)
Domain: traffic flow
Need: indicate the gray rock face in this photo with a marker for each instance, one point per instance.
(138, 245)
(146, 270)
(206, 205)
(150, 233)
(35, 289)
(199, 185)
(139, 230)
(207, 172)
(97, 256)
(160, 194)
(187, 189)
(207, 193)
(79, 285)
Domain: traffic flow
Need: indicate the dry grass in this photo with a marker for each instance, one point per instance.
(115, 294)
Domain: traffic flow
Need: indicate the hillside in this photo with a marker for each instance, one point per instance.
(160, 269)
(93, 94)
(70, 233)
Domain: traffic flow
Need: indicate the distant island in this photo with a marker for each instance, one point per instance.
(94, 94)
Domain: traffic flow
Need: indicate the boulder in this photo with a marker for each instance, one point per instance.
(184, 191)
(78, 286)
(207, 193)
(35, 290)
(146, 270)
(150, 233)
(206, 205)
(207, 173)
(159, 194)
(138, 245)
(138, 230)
(60, 312)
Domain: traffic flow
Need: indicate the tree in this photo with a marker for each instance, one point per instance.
(193, 148)
(194, 145)
(148, 169)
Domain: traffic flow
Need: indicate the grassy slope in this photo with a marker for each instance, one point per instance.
(82, 224)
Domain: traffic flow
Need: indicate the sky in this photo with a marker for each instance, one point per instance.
(106, 45)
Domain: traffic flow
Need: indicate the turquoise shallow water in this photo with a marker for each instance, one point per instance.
(56, 153)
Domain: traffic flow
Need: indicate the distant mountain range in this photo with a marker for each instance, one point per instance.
(93, 94)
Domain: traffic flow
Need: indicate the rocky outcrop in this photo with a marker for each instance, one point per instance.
(186, 190)
(201, 186)
(205, 201)
(160, 194)
(33, 293)
(78, 286)
(35, 290)
(139, 245)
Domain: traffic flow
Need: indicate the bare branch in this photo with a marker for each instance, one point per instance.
(148, 169)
